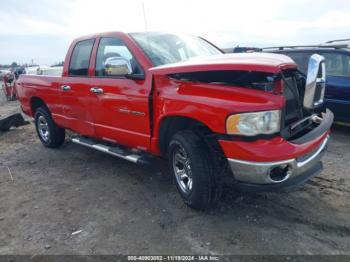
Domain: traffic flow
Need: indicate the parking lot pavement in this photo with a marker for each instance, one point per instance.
(116, 207)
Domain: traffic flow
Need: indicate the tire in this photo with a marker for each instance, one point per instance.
(48, 132)
(202, 187)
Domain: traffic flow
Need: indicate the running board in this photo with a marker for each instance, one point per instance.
(113, 150)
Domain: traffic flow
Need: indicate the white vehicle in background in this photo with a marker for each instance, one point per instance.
(3, 72)
(44, 70)
(50, 71)
(31, 70)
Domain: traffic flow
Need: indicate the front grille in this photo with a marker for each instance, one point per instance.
(293, 110)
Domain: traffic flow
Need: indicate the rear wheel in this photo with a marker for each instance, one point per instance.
(49, 133)
(194, 170)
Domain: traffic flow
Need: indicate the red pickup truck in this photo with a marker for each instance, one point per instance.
(141, 94)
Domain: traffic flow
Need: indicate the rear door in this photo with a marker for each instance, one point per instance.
(121, 113)
(75, 90)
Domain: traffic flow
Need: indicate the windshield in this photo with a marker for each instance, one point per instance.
(164, 48)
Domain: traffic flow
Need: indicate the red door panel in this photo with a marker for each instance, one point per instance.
(76, 101)
(121, 113)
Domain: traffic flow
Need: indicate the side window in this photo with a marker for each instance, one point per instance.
(79, 62)
(113, 47)
(337, 64)
(301, 59)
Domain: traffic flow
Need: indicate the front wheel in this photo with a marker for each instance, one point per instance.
(194, 170)
(49, 133)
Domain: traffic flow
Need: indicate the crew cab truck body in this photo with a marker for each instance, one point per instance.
(134, 95)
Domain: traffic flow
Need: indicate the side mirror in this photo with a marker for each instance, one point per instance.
(315, 82)
(117, 66)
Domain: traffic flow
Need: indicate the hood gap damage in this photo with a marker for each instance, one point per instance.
(249, 79)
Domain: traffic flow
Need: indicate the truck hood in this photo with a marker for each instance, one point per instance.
(263, 62)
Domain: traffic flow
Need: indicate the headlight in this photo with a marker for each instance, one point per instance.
(252, 124)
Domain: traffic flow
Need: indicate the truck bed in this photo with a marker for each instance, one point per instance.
(45, 87)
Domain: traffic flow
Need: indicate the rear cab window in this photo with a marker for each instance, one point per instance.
(80, 59)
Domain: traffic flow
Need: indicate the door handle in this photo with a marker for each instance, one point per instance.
(96, 90)
(65, 88)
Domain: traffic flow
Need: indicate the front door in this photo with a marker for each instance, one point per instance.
(121, 113)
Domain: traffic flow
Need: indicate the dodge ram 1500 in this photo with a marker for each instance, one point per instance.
(178, 96)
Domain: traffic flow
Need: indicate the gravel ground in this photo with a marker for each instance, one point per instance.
(79, 201)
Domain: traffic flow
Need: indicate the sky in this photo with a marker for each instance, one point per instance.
(43, 29)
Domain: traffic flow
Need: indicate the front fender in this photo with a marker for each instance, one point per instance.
(207, 103)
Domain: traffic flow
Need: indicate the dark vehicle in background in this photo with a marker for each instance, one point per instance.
(337, 55)
(241, 49)
(18, 71)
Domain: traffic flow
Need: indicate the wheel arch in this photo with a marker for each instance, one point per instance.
(170, 125)
(35, 103)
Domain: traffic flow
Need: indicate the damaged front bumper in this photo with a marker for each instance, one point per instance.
(270, 176)
(298, 163)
